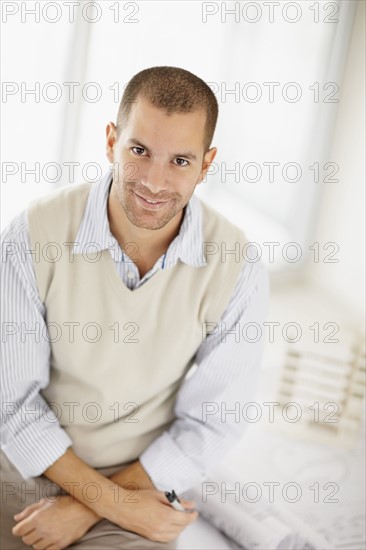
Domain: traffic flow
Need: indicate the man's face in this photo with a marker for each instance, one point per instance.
(157, 158)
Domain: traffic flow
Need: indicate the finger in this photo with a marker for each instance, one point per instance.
(182, 519)
(185, 503)
(31, 538)
(48, 544)
(27, 511)
(188, 504)
(41, 544)
(191, 517)
(23, 528)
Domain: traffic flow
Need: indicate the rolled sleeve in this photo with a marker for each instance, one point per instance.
(31, 435)
(36, 447)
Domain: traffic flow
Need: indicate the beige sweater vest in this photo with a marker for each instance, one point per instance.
(118, 357)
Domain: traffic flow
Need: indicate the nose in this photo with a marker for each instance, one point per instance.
(155, 178)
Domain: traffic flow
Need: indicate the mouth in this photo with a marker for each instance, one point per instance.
(148, 203)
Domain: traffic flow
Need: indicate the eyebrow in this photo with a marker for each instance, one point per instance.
(187, 155)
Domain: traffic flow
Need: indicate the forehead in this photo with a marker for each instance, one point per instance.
(155, 127)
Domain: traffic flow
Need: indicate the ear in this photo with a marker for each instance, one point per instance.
(111, 138)
(207, 161)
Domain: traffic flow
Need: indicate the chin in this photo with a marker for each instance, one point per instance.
(143, 223)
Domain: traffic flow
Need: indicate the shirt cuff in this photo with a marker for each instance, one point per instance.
(168, 468)
(32, 453)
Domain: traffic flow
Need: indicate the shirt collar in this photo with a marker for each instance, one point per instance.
(94, 228)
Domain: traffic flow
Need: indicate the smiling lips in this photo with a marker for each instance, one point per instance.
(148, 202)
(152, 202)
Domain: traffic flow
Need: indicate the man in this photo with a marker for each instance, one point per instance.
(126, 288)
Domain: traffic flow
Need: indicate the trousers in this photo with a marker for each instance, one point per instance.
(17, 493)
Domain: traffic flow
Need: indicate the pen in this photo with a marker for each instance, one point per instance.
(174, 501)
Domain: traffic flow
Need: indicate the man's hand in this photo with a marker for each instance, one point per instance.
(40, 522)
(54, 524)
(149, 514)
(57, 524)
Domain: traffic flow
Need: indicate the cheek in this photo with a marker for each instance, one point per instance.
(131, 171)
(187, 183)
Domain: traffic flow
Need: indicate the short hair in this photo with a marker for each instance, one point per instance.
(174, 90)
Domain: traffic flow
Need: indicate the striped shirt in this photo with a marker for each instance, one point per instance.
(209, 401)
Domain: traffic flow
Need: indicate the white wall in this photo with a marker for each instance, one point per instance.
(341, 216)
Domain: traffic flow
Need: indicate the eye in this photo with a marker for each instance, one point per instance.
(180, 162)
(138, 150)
